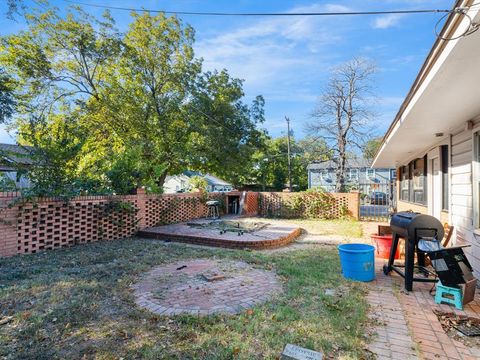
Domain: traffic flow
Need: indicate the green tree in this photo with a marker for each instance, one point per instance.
(55, 153)
(145, 92)
(198, 183)
(224, 134)
(269, 166)
(7, 101)
(370, 148)
(141, 98)
(58, 64)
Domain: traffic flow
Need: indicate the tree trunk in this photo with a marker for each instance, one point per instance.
(161, 179)
(341, 164)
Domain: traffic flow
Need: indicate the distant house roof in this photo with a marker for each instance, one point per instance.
(211, 179)
(179, 177)
(14, 154)
(352, 163)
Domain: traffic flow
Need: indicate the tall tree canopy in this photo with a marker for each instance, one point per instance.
(269, 165)
(370, 148)
(7, 101)
(141, 100)
(343, 113)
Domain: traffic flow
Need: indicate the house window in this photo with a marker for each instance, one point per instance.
(404, 183)
(353, 175)
(371, 174)
(418, 173)
(393, 174)
(444, 166)
(325, 176)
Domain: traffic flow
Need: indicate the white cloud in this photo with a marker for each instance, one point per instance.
(387, 21)
(270, 51)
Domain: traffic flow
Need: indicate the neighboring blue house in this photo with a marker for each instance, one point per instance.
(358, 175)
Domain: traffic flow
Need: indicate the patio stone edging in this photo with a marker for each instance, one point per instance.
(224, 243)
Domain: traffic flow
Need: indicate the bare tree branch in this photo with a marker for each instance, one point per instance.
(342, 115)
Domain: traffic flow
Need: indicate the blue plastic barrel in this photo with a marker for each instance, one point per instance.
(358, 261)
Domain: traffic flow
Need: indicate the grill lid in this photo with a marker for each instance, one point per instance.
(415, 225)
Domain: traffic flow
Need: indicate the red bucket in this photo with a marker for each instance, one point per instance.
(383, 244)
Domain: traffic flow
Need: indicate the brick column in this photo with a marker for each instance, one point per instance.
(251, 204)
(354, 204)
(8, 225)
(142, 208)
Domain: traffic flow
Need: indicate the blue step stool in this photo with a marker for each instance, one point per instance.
(453, 296)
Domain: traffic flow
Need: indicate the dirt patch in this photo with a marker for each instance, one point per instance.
(458, 326)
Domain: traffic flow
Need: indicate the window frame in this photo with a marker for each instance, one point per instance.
(370, 173)
(404, 183)
(325, 175)
(476, 179)
(415, 182)
(393, 174)
(353, 175)
(444, 168)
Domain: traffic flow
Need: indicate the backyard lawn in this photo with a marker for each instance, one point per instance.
(77, 303)
(338, 227)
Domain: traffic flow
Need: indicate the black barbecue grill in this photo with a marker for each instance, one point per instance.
(412, 227)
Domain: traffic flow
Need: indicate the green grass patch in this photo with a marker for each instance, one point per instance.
(77, 303)
(340, 227)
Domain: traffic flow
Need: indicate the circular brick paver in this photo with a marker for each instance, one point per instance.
(204, 286)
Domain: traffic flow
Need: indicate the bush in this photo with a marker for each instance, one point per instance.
(312, 204)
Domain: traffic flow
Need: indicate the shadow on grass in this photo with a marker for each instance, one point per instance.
(77, 303)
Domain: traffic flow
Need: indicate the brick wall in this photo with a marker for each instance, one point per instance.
(8, 225)
(277, 204)
(29, 227)
(250, 201)
(51, 223)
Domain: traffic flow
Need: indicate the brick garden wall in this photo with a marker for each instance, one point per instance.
(277, 204)
(51, 223)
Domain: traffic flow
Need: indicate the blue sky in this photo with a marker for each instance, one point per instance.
(288, 59)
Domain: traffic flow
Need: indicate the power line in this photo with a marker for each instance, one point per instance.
(337, 13)
(289, 159)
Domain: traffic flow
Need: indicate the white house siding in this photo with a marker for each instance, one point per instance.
(461, 196)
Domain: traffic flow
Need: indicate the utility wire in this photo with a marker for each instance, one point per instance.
(342, 13)
(461, 10)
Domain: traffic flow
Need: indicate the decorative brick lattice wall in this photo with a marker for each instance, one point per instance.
(169, 209)
(50, 224)
(278, 204)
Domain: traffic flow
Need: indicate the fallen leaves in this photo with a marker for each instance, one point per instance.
(5, 320)
(453, 323)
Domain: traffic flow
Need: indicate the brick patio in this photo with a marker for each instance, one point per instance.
(181, 288)
(276, 234)
(407, 327)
